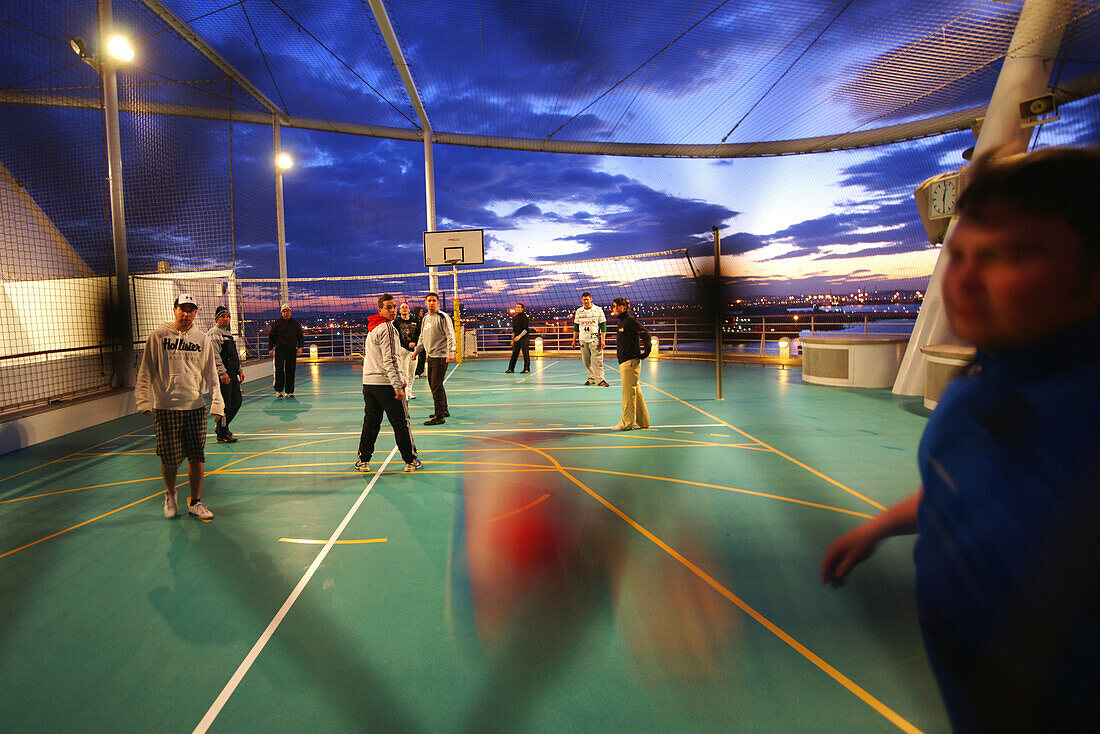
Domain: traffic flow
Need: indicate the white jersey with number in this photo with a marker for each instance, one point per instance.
(588, 322)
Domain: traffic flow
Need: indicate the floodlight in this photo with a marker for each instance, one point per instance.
(120, 49)
(284, 162)
(76, 43)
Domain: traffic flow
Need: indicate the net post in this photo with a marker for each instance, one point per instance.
(717, 305)
(458, 314)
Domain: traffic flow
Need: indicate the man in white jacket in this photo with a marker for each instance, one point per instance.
(384, 387)
(177, 364)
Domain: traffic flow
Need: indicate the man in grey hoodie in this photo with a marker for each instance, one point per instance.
(384, 388)
(177, 361)
(437, 340)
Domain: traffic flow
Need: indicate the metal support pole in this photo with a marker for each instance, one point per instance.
(718, 310)
(122, 307)
(1025, 74)
(280, 228)
(429, 186)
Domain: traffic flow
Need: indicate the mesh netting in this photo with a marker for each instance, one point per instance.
(192, 190)
(660, 284)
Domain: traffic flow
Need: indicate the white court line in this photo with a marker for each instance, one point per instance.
(231, 686)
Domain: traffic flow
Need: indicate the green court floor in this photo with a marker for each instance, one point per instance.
(541, 573)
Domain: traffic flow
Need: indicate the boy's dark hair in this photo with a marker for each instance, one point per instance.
(383, 298)
(520, 304)
(586, 293)
(624, 302)
(1062, 183)
(430, 294)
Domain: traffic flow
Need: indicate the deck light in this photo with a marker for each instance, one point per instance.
(538, 345)
(120, 49)
(284, 162)
(784, 348)
(313, 351)
(655, 343)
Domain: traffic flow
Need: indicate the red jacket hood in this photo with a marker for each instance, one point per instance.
(375, 320)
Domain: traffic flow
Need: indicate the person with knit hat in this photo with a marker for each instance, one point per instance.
(230, 374)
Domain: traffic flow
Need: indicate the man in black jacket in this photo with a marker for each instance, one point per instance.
(284, 342)
(521, 340)
(229, 371)
(632, 345)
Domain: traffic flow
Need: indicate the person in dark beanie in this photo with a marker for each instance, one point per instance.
(230, 374)
(284, 342)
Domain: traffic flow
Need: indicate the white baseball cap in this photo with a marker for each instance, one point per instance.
(185, 298)
(285, 307)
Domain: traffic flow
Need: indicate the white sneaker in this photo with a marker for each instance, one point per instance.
(362, 467)
(416, 464)
(410, 396)
(198, 509)
(170, 507)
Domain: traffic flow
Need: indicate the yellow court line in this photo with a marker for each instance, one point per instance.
(78, 489)
(798, 647)
(789, 458)
(311, 541)
(319, 409)
(528, 506)
(75, 453)
(221, 470)
(753, 493)
(720, 435)
(82, 524)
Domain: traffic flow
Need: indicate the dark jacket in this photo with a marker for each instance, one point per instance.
(285, 333)
(409, 330)
(631, 340)
(520, 325)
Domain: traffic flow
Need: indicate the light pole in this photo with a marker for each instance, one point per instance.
(283, 162)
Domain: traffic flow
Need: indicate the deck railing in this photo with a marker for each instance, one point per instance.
(676, 336)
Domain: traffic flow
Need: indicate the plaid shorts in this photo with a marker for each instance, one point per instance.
(180, 434)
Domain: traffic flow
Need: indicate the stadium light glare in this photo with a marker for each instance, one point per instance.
(284, 162)
(120, 49)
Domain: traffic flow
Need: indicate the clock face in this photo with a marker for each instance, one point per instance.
(941, 197)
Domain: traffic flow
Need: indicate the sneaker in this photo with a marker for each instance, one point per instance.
(446, 414)
(227, 438)
(435, 420)
(603, 383)
(416, 464)
(410, 396)
(279, 396)
(198, 509)
(589, 382)
(362, 467)
(170, 507)
(523, 372)
(509, 372)
(290, 394)
(618, 427)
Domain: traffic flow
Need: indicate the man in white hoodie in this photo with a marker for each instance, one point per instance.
(384, 388)
(178, 360)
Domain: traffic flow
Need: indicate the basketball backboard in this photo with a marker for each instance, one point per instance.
(454, 247)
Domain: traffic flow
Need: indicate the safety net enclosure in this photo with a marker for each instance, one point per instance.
(679, 117)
